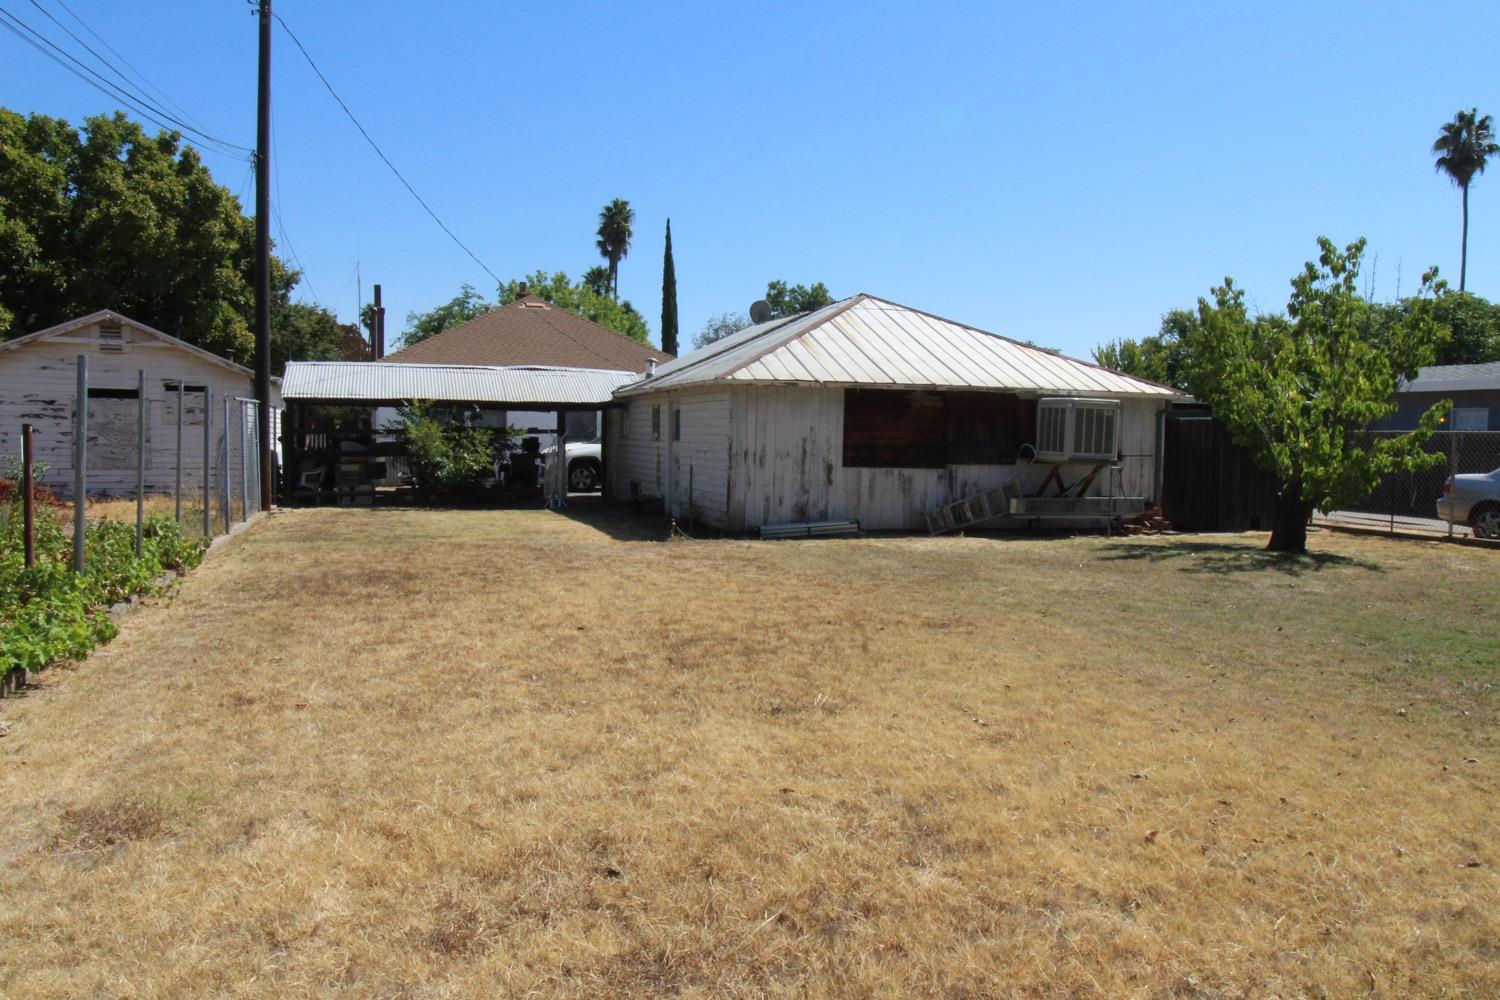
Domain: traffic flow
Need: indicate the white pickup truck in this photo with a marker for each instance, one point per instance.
(585, 465)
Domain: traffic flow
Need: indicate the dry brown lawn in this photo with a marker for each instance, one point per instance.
(505, 753)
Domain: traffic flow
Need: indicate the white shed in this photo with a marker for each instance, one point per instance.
(864, 410)
(38, 385)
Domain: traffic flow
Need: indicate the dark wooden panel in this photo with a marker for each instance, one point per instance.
(988, 428)
(894, 429)
(1209, 483)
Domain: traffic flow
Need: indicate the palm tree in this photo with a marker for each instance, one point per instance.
(596, 279)
(1464, 145)
(615, 222)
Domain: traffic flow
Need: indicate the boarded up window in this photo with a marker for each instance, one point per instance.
(112, 429)
(900, 429)
(192, 404)
(988, 428)
(891, 429)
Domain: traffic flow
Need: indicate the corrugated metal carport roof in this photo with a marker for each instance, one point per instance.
(866, 341)
(391, 383)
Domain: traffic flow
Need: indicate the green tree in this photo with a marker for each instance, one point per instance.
(464, 306)
(616, 226)
(597, 280)
(300, 332)
(583, 300)
(106, 217)
(1473, 325)
(1161, 357)
(720, 326)
(789, 300)
(1300, 389)
(668, 297)
(1463, 146)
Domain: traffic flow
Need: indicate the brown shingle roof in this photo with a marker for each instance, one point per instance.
(530, 331)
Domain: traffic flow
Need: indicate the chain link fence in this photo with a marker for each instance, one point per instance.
(1415, 503)
(138, 446)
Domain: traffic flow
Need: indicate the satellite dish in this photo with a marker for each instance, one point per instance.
(760, 311)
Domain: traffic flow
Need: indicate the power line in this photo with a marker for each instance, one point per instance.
(373, 145)
(156, 92)
(140, 105)
(276, 214)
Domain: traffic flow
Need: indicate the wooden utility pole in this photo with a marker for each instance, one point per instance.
(263, 258)
(376, 345)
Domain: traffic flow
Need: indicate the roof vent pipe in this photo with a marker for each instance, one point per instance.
(650, 367)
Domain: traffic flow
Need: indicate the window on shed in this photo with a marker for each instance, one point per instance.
(901, 429)
(192, 403)
(656, 422)
(112, 416)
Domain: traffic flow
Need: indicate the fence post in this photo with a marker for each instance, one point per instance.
(178, 491)
(244, 468)
(28, 513)
(140, 459)
(228, 498)
(208, 422)
(1452, 471)
(80, 458)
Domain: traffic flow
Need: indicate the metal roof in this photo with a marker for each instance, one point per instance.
(1453, 378)
(382, 382)
(866, 341)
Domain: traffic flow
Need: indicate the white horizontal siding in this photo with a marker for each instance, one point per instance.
(634, 456)
(700, 458)
(38, 382)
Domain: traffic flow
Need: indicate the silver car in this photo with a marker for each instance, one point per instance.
(1473, 499)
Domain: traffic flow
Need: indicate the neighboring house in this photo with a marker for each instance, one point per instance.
(1474, 390)
(865, 410)
(38, 385)
(532, 332)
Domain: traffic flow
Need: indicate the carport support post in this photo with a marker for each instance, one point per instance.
(562, 459)
(80, 459)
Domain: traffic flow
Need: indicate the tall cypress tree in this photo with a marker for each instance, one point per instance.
(668, 298)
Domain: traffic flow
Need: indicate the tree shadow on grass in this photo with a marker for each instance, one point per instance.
(1222, 558)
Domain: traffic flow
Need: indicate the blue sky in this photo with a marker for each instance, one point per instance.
(1059, 173)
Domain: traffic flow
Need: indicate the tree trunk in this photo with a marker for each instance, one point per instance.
(1463, 253)
(614, 277)
(1289, 532)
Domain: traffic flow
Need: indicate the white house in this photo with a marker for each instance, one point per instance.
(38, 385)
(864, 410)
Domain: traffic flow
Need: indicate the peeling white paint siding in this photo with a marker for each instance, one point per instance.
(774, 455)
(38, 381)
(690, 474)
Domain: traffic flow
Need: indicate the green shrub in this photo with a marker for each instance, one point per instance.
(48, 612)
(446, 456)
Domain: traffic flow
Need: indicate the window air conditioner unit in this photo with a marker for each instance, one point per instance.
(1070, 429)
